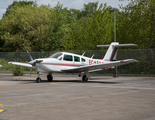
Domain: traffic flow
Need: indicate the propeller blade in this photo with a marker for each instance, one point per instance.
(30, 72)
(29, 55)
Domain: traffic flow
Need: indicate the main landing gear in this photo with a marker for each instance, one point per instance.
(49, 77)
(38, 80)
(84, 78)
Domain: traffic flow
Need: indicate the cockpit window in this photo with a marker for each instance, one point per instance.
(56, 55)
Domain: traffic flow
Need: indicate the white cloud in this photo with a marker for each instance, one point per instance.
(77, 4)
(46, 2)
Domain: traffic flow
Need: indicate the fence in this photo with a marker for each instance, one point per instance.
(145, 66)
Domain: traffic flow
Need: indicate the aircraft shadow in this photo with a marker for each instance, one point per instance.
(92, 80)
(80, 81)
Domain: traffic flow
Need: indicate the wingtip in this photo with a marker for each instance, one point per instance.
(136, 61)
(9, 62)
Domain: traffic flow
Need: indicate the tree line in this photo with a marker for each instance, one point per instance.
(27, 26)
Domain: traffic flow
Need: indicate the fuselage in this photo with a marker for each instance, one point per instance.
(64, 60)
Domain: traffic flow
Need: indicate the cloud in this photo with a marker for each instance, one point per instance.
(46, 2)
(77, 4)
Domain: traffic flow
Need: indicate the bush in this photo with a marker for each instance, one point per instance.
(17, 71)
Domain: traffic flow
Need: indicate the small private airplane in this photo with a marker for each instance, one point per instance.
(64, 62)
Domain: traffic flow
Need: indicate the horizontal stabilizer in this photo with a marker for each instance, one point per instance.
(103, 45)
(119, 45)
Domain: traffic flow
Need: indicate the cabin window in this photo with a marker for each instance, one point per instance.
(83, 60)
(68, 57)
(76, 59)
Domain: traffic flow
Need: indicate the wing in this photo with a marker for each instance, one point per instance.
(99, 66)
(20, 64)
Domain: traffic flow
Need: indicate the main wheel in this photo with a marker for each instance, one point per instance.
(84, 78)
(38, 80)
(49, 77)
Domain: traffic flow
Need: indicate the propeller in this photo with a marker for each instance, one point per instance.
(32, 62)
(29, 55)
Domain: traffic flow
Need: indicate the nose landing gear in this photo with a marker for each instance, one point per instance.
(38, 80)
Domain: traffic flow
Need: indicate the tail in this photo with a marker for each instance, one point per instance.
(112, 50)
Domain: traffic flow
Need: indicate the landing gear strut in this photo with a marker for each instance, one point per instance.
(49, 77)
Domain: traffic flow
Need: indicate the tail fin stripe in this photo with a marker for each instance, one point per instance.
(113, 54)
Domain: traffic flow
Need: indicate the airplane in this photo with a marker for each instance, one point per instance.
(65, 62)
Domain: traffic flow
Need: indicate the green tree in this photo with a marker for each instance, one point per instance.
(35, 28)
(91, 30)
(20, 4)
(25, 28)
(136, 24)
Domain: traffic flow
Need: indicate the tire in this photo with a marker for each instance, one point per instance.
(38, 80)
(49, 78)
(84, 78)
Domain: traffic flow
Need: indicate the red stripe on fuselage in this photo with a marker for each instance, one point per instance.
(62, 64)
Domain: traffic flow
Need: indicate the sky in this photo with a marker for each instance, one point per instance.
(76, 4)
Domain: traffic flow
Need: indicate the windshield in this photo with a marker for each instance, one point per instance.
(56, 55)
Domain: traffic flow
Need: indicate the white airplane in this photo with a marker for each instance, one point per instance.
(64, 62)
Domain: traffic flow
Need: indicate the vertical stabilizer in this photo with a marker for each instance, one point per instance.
(112, 50)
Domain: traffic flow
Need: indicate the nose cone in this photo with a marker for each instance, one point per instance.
(33, 62)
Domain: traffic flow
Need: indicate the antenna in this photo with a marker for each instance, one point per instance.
(92, 56)
(83, 54)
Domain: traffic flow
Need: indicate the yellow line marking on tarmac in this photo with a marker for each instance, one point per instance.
(1, 110)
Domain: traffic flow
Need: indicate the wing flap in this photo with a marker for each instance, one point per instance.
(20, 64)
(100, 66)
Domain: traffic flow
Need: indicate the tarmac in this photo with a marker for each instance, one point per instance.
(68, 98)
